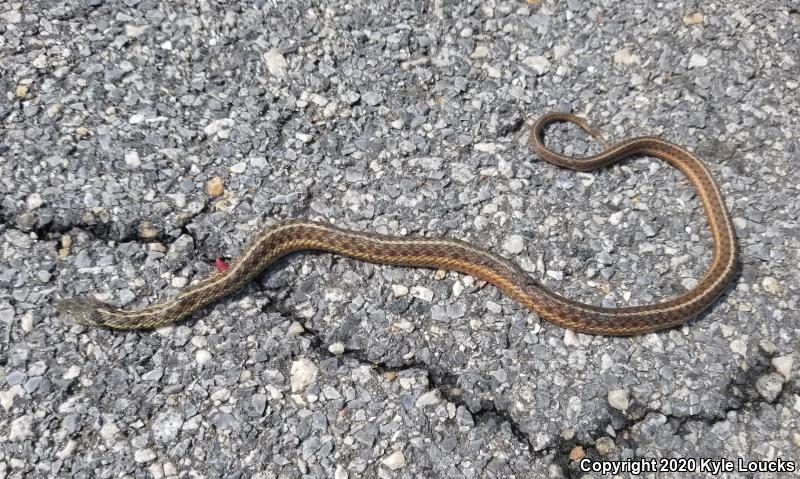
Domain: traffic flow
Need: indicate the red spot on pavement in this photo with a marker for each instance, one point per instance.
(221, 264)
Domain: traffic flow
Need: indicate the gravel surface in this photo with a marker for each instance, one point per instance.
(139, 140)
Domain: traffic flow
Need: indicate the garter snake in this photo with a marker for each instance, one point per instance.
(296, 235)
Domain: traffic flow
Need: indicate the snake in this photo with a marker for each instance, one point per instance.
(294, 235)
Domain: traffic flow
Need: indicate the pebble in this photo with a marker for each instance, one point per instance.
(739, 346)
(399, 290)
(693, 18)
(769, 386)
(772, 286)
(605, 445)
(21, 428)
(303, 373)
(697, 61)
(395, 460)
(22, 91)
(144, 455)
(783, 365)
(166, 426)
(576, 454)
(202, 356)
(340, 472)
(422, 293)
(539, 64)
(336, 348)
(221, 128)
(132, 159)
(372, 98)
(625, 57)
(72, 373)
(619, 399)
(153, 375)
(429, 398)
(109, 431)
(616, 218)
(215, 187)
(276, 63)
(295, 329)
(514, 244)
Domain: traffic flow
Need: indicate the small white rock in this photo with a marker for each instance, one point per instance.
(539, 64)
(336, 348)
(424, 294)
(108, 431)
(625, 57)
(480, 52)
(21, 428)
(559, 51)
(72, 373)
(395, 460)
(739, 346)
(771, 285)
(276, 63)
(202, 356)
(7, 397)
(68, 449)
(514, 244)
(697, 61)
(144, 455)
(616, 218)
(619, 399)
(783, 364)
(399, 290)
(34, 201)
(303, 373)
(221, 128)
(429, 398)
(340, 472)
(132, 159)
(570, 338)
(295, 329)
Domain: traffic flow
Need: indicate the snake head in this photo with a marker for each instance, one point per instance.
(86, 311)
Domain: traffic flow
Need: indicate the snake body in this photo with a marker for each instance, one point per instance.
(443, 253)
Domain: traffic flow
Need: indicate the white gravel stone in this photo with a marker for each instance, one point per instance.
(619, 399)
(738, 346)
(399, 290)
(132, 159)
(539, 64)
(144, 455)
(7, 397)
(202, 356)
(340, 472)
(422, 293)
(570, 338)
(109, 431)
(429, 398)
(336, 348)
(769, 386)
(276, 63)
(221, 128)
(783, 364)
(771, 285)
(295, 329)
(72, 373)
(697, 61)
(514, 244)
(616, 218)
(21, 428)
(395, 460)
(166, 425)
(625, 57)
(303, 373)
